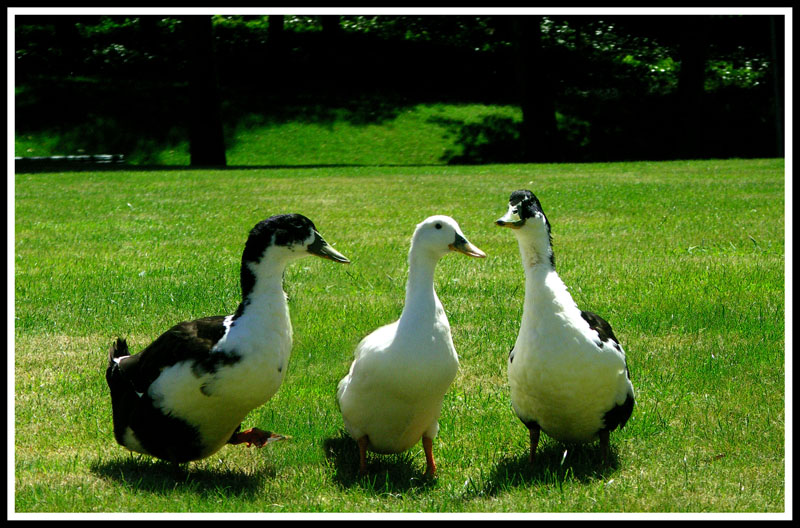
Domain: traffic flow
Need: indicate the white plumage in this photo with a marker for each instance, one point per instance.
(393, 394)
(567, 371)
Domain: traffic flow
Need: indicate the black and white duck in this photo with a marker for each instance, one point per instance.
(567, 371)
(184, 396)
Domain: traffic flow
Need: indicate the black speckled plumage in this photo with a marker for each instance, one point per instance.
(162, 435)
(560, 346)
(599, 325)
(618, 416)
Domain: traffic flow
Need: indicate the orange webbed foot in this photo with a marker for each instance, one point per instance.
(256, 437)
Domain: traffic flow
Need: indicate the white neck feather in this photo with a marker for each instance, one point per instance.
(268, 275)
(535, 250)
(421, 303)
(546, 295)
(265, 310)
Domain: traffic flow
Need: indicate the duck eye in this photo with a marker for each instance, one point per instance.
(438, 225)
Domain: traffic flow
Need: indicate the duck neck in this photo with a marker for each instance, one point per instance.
(545, 293)
(262, 285)
(536, 251)
(421, 300)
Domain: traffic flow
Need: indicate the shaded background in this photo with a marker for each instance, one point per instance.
(585, 88)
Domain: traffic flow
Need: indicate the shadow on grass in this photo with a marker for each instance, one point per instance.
(142, 118)
(582, 463)
(385, 473)
(138, 473)
(493, 139)
(45, 165)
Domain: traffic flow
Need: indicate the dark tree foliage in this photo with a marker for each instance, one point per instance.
(777, 35)
(590, 88)
(644, 91)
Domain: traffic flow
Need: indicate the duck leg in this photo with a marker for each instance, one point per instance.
(533, 429)
(604, 444)
(427, 445)
(255, 437)
(363, 442)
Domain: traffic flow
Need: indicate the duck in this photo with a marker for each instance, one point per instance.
(392, 395)
(567, 372)
(185, 396)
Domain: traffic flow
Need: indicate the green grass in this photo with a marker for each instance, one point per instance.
(422, 134)
(685, 260)
(415, 136)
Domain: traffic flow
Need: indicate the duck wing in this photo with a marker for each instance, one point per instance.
(606, 334)
(189, 340)
(618, 415)
(599, 325)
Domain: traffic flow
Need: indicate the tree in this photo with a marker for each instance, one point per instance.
(330, 25)
(276, 32)
(538, 132)
(693, 52)
(206, 139)
(777, 35)
(330, 53)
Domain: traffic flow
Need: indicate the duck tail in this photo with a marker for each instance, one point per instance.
(120, 389)
(118, 348)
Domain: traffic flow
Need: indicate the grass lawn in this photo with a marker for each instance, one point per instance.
(684, 259)
(360, 133)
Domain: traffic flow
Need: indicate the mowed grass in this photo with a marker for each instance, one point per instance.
(360, 133)
(684, 259)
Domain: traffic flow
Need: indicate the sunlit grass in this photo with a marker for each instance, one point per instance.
(685, 260)
(408, 135)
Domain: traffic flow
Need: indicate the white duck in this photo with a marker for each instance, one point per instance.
(185, 395)
(567, 371)
(393, 394)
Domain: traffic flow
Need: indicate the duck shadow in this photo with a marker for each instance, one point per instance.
(158, 476)
(554, 464)
(395, 473)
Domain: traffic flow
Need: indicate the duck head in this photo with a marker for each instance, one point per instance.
(291, 236)
(278, 240)
(439, 235)
(526, 218)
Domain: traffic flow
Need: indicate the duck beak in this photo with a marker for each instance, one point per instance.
(462, 245)
(322, 249)
(510, 219)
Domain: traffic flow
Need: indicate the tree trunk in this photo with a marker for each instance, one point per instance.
(538, 132)
(275, 32)
(275, 64)
(206, 139)
(330, 71)
(330, 26)
(66, 32)
(693, 50)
